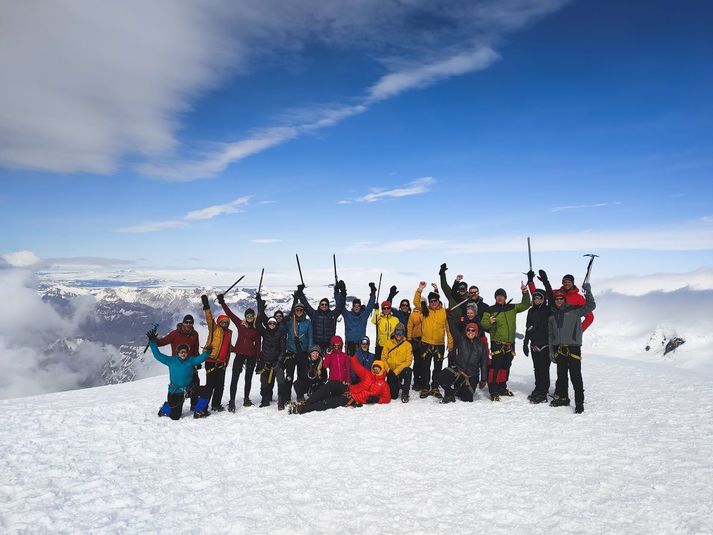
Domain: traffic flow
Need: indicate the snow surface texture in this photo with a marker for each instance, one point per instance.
(639, 460)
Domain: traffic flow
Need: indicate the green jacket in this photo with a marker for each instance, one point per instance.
(503, 330)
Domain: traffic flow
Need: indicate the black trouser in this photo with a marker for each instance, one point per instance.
(195, 388)
(238, 363)
(352, 347)
(435, 354)
(541, 364)
(377, 351)
(328, 396)
(572, 365)
(175, 404)
(214, 382)
(287, 371)
(455, 384)
(267, 382)
(401, 381)
(501, 356)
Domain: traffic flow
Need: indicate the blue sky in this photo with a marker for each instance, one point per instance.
(404, 135)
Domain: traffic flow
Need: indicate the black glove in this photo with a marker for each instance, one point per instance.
(204, 300)
(530, 276)
(372, 399)
(372, 287)
(526, 348)
(258, 298)
(443, 269)
(300, 289)
(543, 275)
(341, 286)
(587, 287)
(152, 335)
(376, 306)
(392, 293)
(221, 299)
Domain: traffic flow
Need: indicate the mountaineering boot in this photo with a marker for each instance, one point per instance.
(294, 408)
(217, 408)
(507, 393)
(436, 393)
(201, 408)
(494, 397)
(559, 402)
(579, 409)
(280, 405)
(404, 397)
(424, 393)
(265, 403)
(231, 405)
(538, 398)
(300, 399)
(448, 398)
(165, 410)
(247, 402)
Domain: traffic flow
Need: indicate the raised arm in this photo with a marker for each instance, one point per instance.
(523, 305)
(447, 292)
(341, 302)
(235, 319)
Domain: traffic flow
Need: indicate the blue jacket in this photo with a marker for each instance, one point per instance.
(304, 333)
(180, 372)
(355, 324)
(365, 358)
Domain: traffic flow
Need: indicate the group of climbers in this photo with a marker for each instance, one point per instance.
(301, 349)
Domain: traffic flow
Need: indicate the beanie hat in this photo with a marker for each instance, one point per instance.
(472, 326)
(316, 348)
(400, 328)
(222, 317)
(386, 304)
(433, 295)
(324, 300)
(272, 320)
(188, 317)
(502, 292)
(462, 286)
(280, 312)
(568, 277)
(182, 346)
(249, 311)
(538, 293)
(365, 339)
(559, 293)
(356, 301)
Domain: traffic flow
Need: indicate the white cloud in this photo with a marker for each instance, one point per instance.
(415, 187)
(266, 240)
(218, 209)
(153, 226)
(584, 206)
(21, 259)
(345, 201)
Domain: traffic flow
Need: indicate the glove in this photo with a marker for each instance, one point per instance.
(526, 349)
(587, 287)
(392, 292)
(208, 348)
(258, 298)
(543, 276)
(443, 269)
(530, 276)
(372, 399)
(341, 286)
(482, 384)
(204, 300)
(372, 287)
(376, 306)
(152, 335)
(221, 299)
(199, 367)
(300, 289)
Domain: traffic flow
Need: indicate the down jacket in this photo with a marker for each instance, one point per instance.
(370, 385)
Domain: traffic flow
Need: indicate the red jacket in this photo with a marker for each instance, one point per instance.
(573, 297)
(248, 343)
(178, 337)
(369, 384)
(337, 362)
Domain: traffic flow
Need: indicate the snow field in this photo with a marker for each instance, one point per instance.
(639, 460)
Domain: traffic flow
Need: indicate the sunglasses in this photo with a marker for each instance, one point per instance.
(433, 300)
(365, 344)
(559, 298)
(471, 330)
(385, 308)
(376, 369)
(249, 315)
(188, 323)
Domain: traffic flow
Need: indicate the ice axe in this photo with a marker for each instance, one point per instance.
(231, 287)
(259, 286)
(334, 259)
(529, 254)
(299, 268)
(589, 266)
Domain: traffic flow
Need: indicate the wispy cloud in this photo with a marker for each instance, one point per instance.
(266, 240)
(584, 206)
(195, 215)
(415, 187)
(345, 201)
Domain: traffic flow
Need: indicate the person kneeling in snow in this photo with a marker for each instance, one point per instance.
(469, 361)
(372, 388)
(180, 372)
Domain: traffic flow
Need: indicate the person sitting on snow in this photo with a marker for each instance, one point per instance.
(180, 370)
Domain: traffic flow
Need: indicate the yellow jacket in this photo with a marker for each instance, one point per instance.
(415, 324)
(397, 355)
(435, 325)
(385, 325)
(221, 341)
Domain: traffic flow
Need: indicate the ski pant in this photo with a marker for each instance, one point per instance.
(377, 351)
(329, 396)
(351, 347)
(249, 363)
(455, 384)
(195, 388)
(417, 348)
(402, 382)
(269, 375)
(573, 366)
(430, 353)
(287, 377)
(541, 364)
(214, 382)
(499, 369)
(175, 404)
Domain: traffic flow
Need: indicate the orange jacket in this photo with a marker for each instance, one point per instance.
(370, 385)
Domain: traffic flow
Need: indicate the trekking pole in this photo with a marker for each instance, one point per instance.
(231, 287)
(259, 286)
(589, 266)
(334, 259)
(299, 268)
(378, 289)
(496, 314)
(529, 252)
(155, 326)
(459, 304)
